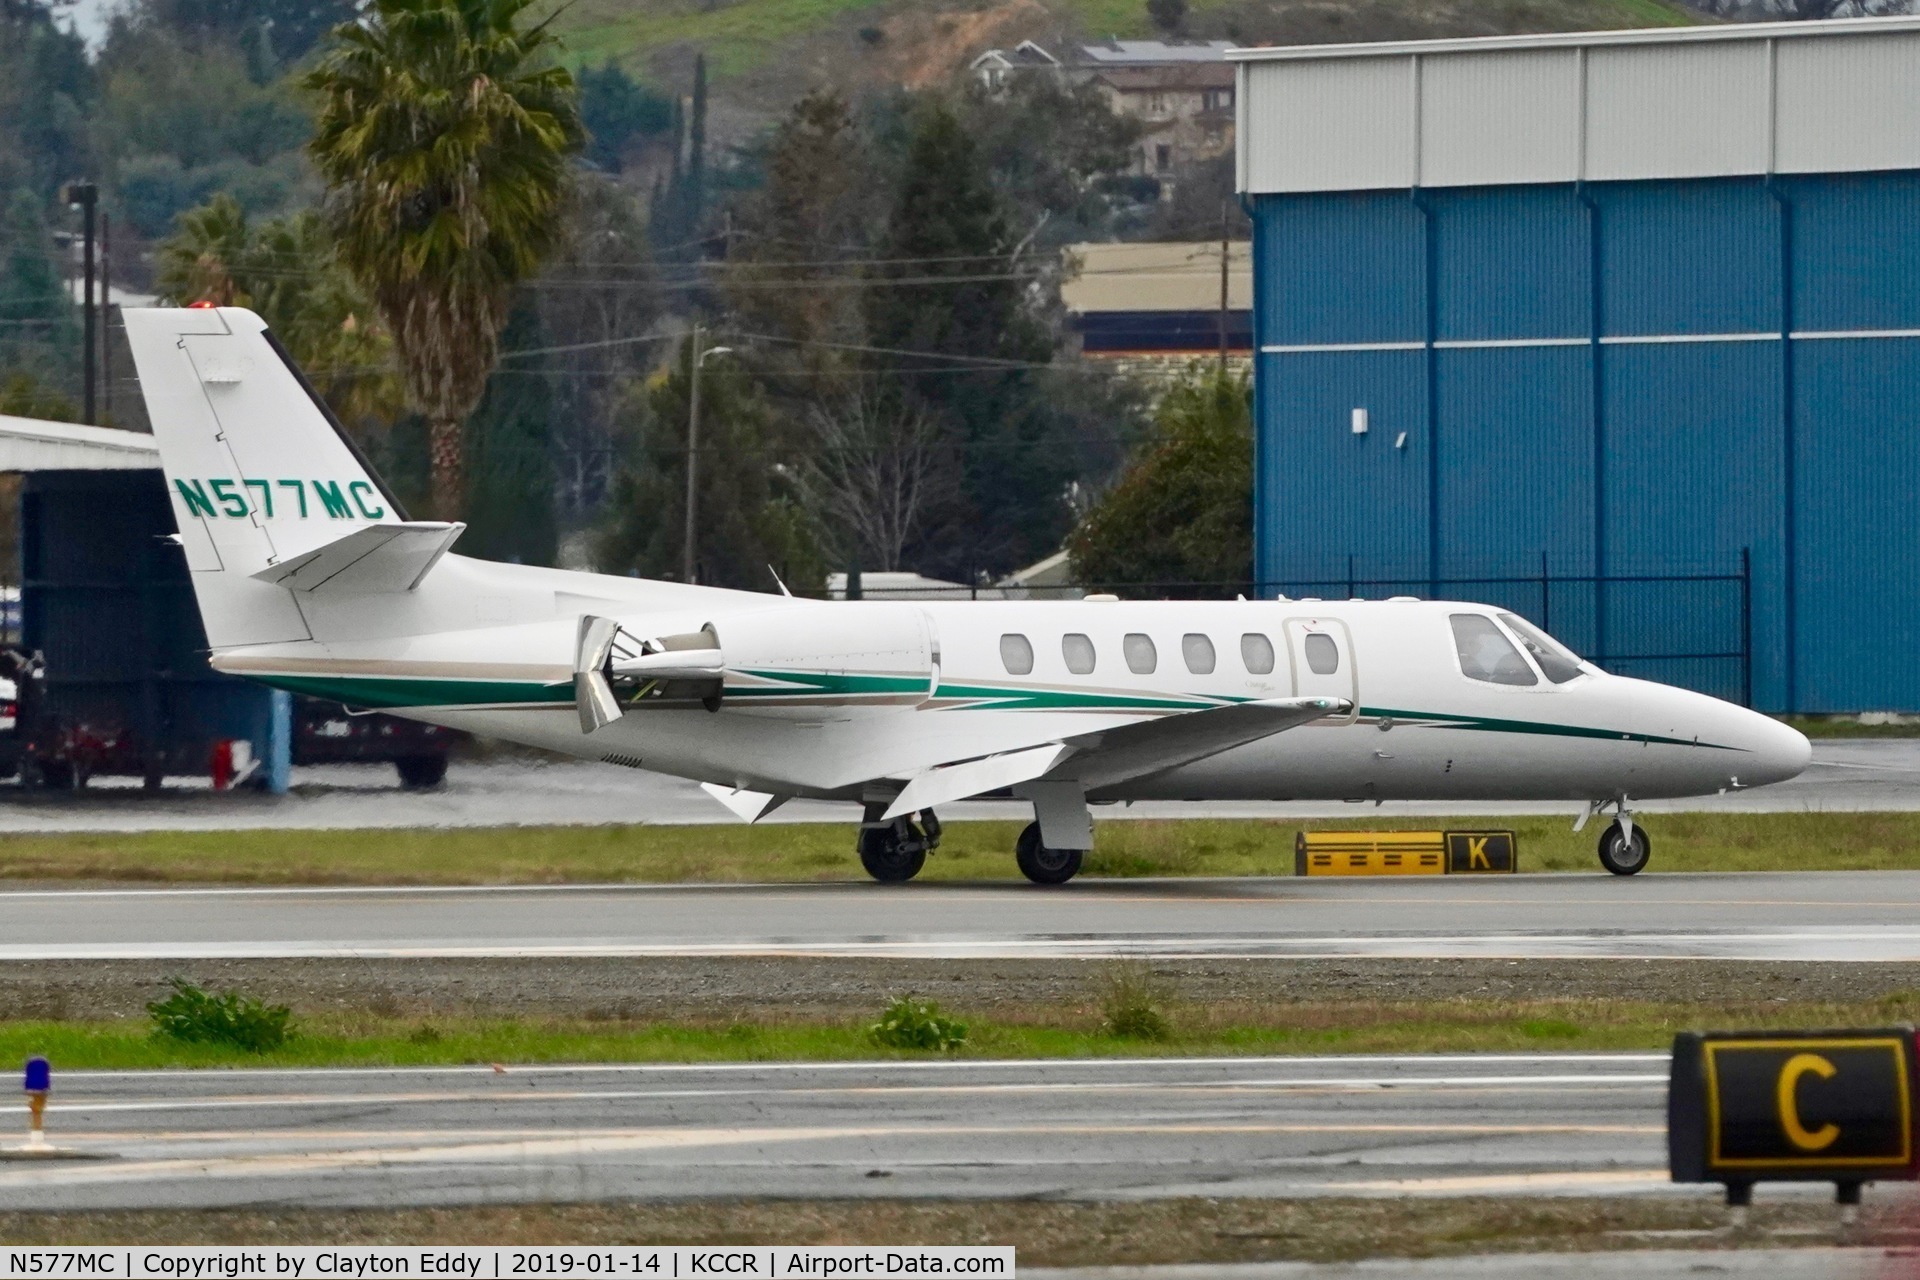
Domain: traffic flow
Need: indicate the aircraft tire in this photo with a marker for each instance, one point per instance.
(421, 773)
(888, 857)
(1043, 865)
(1617, 857)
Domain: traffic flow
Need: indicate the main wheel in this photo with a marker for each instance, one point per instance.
(893, 854)
(1624, 857)
(1041, 864)
(421, 773)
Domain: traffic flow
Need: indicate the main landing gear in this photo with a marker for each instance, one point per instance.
(1624, 846)
(1050, 850)
(1043, 865)
(893, 852)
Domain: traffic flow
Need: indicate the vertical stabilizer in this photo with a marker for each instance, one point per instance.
(257, 471)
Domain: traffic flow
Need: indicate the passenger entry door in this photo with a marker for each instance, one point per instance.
(1323, 667)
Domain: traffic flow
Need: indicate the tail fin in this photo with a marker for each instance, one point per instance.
(258, 470)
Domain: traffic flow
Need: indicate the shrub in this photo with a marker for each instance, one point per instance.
(917, 1024)
(1131, 1001)
(192, 1016)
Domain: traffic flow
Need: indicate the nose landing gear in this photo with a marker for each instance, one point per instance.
(1624, 846)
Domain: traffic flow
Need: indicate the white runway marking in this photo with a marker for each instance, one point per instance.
(1867, 943)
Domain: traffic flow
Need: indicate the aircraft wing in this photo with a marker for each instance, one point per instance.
(1110, 756)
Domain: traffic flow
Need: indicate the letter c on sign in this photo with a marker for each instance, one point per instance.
(1799, 1135)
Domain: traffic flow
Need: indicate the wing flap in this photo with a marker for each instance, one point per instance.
(375, 560)
(972, 777)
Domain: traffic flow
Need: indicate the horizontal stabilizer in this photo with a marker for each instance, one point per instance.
(1113, 756)
(974, 777)
(374, 560)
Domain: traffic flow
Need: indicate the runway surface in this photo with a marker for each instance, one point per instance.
(1847, 775)
(1859, 915)
(1390, 1126)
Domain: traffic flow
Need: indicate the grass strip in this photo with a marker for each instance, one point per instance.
(334, 1038)
(1044, 1233)
(810, 852)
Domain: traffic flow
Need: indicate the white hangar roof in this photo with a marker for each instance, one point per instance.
(30, 444)
(1673, 102)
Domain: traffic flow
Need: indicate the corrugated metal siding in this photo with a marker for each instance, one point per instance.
(1362, 128)
(1679, 111)
(1314, 289)
(1330, 494)
(1694, 433)
(1689, 258)
(1694, 472)
(1510, 264)
(1857, 261)
(1516, 461)
(1500, 118)
(1765, 98)
(1858, 543)
(1849, 103)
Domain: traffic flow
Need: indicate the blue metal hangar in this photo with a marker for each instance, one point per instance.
(1621, 329)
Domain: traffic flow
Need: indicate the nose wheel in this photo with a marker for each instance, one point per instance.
(1625, 852)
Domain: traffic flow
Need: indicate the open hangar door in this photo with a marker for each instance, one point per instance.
(109, 655)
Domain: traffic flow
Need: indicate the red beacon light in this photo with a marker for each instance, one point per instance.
(202, 305)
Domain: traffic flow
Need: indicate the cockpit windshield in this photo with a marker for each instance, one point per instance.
(1554, 659)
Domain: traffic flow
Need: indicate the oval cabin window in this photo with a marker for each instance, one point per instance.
(1016, 655)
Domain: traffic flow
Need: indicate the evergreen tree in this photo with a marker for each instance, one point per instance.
(746, 518)
(1183, 512)
(39, 330)
(617, 109)
(961, 294)
(510, 487)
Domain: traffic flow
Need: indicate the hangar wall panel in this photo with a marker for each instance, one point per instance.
(1857, 540)
(1676, 111)
(1848, 104)
(1674, 459)
(1362, 139)
(1690, 102)
(1500, 118)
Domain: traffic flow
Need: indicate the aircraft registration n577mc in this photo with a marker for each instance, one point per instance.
(310, 578)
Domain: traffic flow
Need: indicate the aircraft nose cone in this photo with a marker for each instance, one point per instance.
(1776, 751)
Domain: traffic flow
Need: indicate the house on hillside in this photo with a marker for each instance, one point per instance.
(993, 67)
(1182, 91)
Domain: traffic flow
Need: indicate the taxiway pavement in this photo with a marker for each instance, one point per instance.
(1856, 915)
(1846, 775)
(1496, 1124)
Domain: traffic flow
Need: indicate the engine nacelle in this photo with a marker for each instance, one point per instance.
(853, 653)
(795, 656)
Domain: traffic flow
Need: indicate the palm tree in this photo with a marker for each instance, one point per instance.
(443, 131)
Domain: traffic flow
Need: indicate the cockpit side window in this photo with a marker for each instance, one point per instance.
(1486, 653)
(1552, 657)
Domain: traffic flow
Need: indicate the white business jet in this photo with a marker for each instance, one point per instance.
(309, 578)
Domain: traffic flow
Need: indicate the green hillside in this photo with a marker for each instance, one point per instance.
(745, 36)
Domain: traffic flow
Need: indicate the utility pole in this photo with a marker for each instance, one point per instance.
(106, 316)
(86, 196)
(693, 449)
(1226, 224)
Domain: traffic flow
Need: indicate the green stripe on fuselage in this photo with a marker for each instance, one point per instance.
(420, 691)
